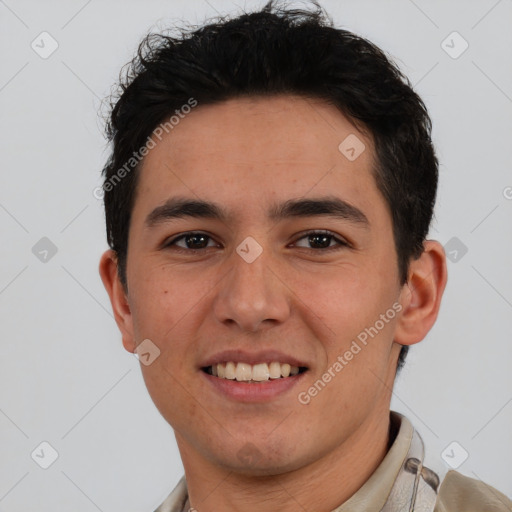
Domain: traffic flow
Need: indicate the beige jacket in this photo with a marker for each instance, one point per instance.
(400, 484)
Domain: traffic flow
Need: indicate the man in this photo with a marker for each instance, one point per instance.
(268, 198)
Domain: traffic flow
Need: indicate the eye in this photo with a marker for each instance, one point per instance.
(191, 241)
(322, 240)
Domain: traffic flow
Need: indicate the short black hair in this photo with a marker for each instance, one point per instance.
(276, 50)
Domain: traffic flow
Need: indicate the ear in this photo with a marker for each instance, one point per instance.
(109, 275)
(421, 295)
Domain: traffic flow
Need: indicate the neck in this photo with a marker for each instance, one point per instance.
(321, 485)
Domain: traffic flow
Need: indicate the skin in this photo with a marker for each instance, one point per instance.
(247, 154)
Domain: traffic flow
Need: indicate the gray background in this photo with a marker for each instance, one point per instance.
(65, 377)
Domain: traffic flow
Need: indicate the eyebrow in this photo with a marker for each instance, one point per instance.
(331, 206)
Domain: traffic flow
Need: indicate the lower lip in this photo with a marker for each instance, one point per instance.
(253, 391)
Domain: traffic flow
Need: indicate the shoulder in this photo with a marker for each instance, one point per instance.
(459, 493)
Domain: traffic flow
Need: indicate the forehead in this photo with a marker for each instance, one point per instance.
(259, 129)
(246, 150)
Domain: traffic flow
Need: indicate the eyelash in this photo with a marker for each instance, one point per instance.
(330, 234)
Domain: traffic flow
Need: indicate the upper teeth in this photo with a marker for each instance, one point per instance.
(256, 372)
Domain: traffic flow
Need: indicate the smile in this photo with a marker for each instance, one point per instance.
(248, 373)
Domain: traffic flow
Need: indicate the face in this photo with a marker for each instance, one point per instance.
(293, 262)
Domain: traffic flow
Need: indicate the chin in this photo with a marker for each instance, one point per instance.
(252, 461)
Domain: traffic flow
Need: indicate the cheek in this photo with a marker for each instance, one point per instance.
(169, 309)
(346, 299)
(164, 312)
(160, 301)
(353, 319)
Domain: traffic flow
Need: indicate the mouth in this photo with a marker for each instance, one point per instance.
(253, 373)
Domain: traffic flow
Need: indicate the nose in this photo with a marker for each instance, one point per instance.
(252, 294)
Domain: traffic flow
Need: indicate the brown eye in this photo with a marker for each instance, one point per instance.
(196, 241)
(322, 240)
(192, 241)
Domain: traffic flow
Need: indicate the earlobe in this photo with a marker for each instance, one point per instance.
(108, 269)
(421, 295)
